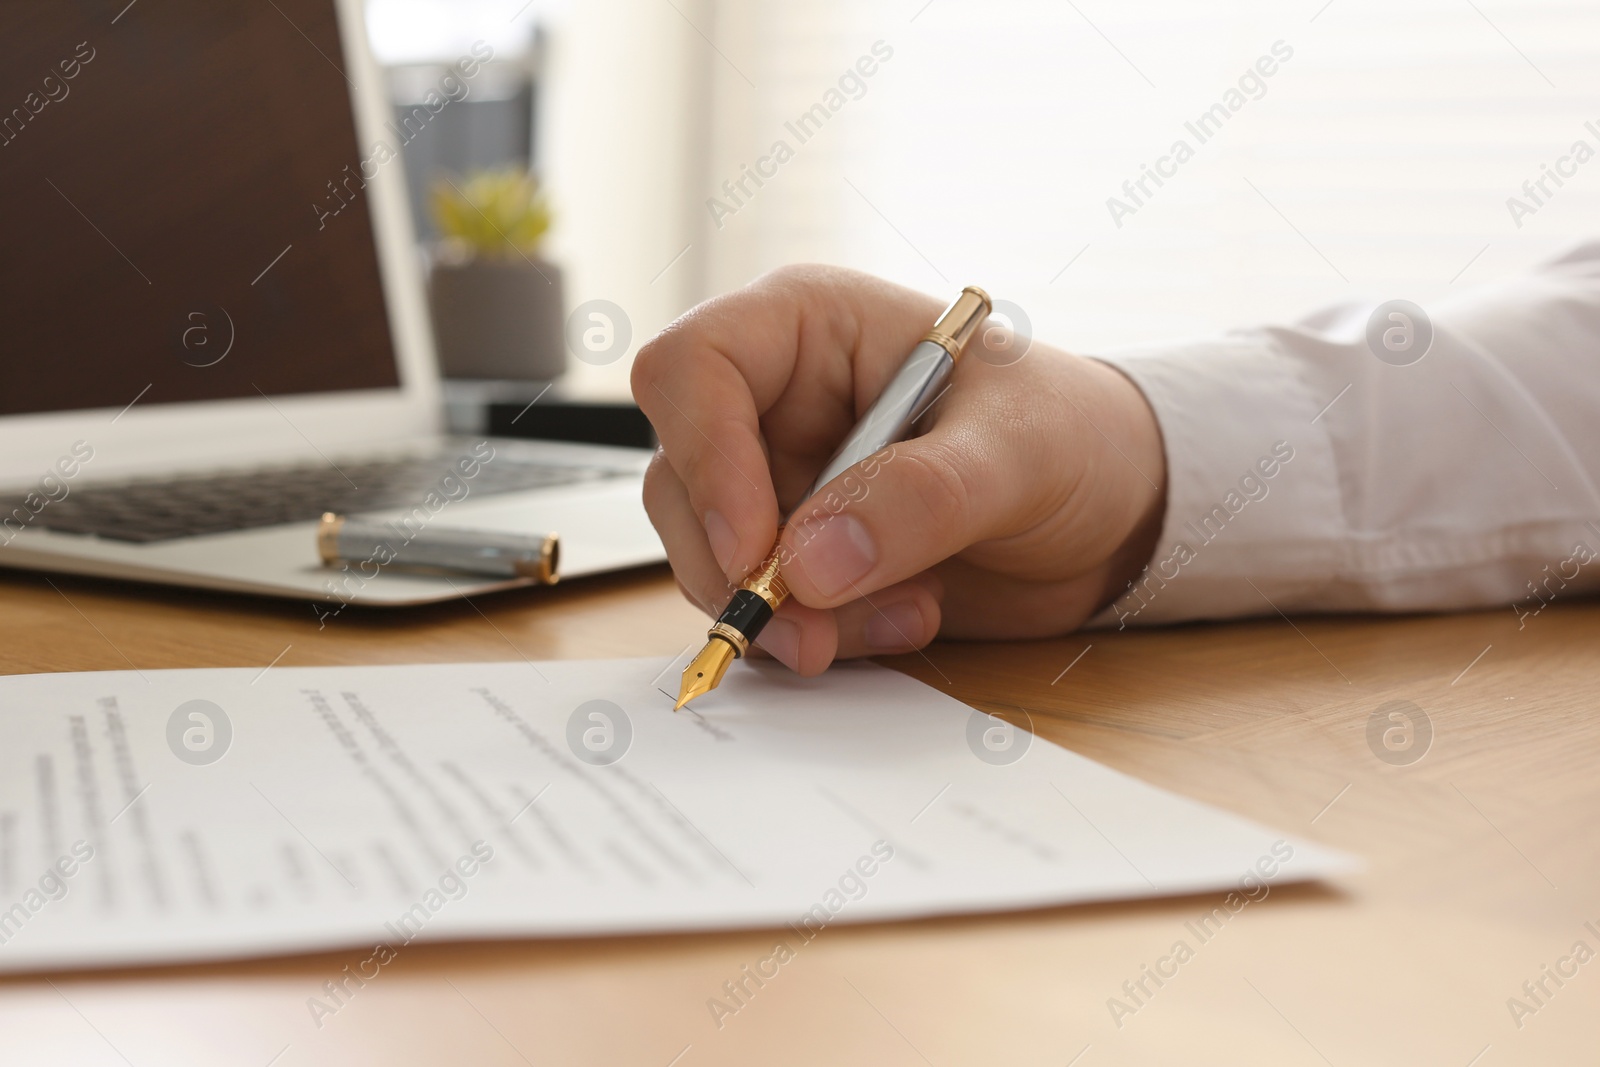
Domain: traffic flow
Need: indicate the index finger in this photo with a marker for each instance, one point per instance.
(751, 392)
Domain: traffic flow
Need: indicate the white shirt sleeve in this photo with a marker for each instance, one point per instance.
(1306, 473)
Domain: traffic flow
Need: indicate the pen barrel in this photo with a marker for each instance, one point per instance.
(903, 401)
(488, 552)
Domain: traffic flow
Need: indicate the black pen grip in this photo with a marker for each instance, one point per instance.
(747, 612)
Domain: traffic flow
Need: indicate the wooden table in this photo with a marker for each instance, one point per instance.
(1483, 861)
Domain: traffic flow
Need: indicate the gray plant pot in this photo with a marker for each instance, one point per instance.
(498, 319)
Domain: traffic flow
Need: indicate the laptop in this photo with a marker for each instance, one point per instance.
(213, 326)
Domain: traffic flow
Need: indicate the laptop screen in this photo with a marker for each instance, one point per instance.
(182, 195)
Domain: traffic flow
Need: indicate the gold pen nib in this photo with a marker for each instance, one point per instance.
(704, 672)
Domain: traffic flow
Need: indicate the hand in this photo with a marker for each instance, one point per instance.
(1033, 494)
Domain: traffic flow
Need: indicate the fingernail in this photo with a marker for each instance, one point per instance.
(781, 637)
(897, 628)
(724, 542)
(838, 555)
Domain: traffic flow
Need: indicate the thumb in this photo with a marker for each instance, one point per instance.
(894, 515)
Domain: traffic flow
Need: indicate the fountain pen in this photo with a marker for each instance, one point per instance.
(914, 388)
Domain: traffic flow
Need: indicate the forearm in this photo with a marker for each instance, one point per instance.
(1304, 473)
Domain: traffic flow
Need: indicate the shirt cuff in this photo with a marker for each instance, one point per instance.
(1254, 514)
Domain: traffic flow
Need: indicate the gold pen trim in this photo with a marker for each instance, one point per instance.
(545, 568)
(328, 530)
(765, 581)
(960, 321)
(738, 640)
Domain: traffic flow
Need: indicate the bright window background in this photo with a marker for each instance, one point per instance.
(424, 31)
(1377, 164)
(984, 151)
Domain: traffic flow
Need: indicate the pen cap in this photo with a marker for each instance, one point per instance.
(373, 542)
(961, 320)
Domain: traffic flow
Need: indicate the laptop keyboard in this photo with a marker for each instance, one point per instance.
(188, 506)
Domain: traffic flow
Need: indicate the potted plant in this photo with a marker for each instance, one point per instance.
(497, 305)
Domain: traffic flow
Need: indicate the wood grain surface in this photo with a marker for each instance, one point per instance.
(1483, 861)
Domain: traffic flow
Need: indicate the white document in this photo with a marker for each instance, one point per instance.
(196, 814)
